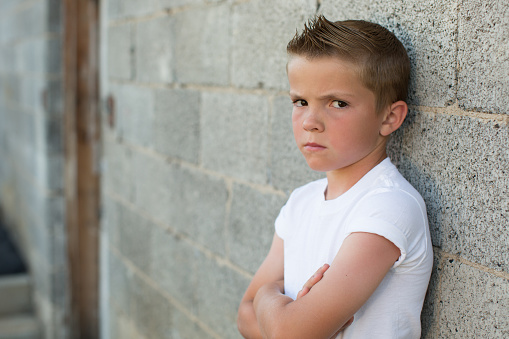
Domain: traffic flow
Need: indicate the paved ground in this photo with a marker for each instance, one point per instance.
(10, 260)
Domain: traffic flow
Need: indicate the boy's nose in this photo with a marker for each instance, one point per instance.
(312, 122)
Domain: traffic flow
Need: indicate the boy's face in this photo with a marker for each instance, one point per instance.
(335, 122)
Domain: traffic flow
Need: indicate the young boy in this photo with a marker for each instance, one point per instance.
(364, 226)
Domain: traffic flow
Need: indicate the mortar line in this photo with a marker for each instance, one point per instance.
(262, 188)
(228, 210)
(201, 87)
(158, 13)
(222, 261)
(165, 294)
(446, 255)
(456, 110)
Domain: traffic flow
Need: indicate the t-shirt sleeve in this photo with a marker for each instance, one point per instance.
(281, 223)
(394, 215)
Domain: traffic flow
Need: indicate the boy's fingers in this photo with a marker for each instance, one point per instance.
(313, 280)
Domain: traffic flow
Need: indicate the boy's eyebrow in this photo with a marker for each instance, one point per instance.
(331, 95)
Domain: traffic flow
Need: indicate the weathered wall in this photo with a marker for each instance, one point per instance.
(200, 156)
(31, 149)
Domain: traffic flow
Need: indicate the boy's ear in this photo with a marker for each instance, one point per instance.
(394, 117)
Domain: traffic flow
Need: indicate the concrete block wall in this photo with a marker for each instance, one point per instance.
(31, 149)
(199, 156)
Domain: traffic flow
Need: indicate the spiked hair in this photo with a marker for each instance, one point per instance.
(380, 58)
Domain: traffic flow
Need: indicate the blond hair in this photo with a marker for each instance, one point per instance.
(382, 61)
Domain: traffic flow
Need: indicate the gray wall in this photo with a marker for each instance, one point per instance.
(31, 149)
(201, 156)
(198, 154)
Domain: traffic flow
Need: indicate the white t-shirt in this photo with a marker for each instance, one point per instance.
(383, 203)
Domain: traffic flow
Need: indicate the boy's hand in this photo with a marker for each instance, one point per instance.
(311, 282)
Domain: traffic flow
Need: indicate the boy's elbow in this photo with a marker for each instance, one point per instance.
(246, 319)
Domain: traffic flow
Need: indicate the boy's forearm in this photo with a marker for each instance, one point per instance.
(246, 321)
(268, 305)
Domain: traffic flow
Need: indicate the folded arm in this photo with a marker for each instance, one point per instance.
(360, 265)
(271, 271)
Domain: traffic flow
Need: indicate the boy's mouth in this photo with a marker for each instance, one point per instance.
(311, 146)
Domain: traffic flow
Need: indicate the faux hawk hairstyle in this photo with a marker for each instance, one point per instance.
(382, 61)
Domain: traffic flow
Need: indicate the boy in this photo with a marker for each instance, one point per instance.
(364, 226)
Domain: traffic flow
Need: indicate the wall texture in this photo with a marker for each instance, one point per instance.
(31, 149)
(198, 154)
(201, 157)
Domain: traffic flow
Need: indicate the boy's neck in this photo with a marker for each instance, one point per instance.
(341, 180)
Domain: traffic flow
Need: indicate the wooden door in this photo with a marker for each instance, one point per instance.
(82, 152)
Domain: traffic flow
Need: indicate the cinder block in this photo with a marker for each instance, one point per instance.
(202, 45)
(251, 226)
(234, 131)
(134, 112)
(154, 50)
(150, 192)
(289, 169)
(53, 63)
(15, 294)
(120, 52)
(473, 304)
(260, 26)
(166, 4)
(219, 292)
(118, 9)
(117, 175)
(119, 278)
(430, 311)
(176, 125)
(31, 21)
(175, 267)
(483, 56)
(427, 29)
(459, 165)
(134, 237)
(189, 194)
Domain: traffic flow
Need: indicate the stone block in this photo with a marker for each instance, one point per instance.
(473, 304)
(288, 168)
(176, 124)
(120, 52)
(202, 45)
(251, 226)
(234, 136)
(426, 28)
(219, 292)
(134, 113)
(154, 50)
(459, 165)
(483, 56)
(260, 33)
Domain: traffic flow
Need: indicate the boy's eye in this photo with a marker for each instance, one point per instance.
(339, 104)
(300, 103)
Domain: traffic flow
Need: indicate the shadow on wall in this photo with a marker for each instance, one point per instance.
(10, 259)
(432, 195)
